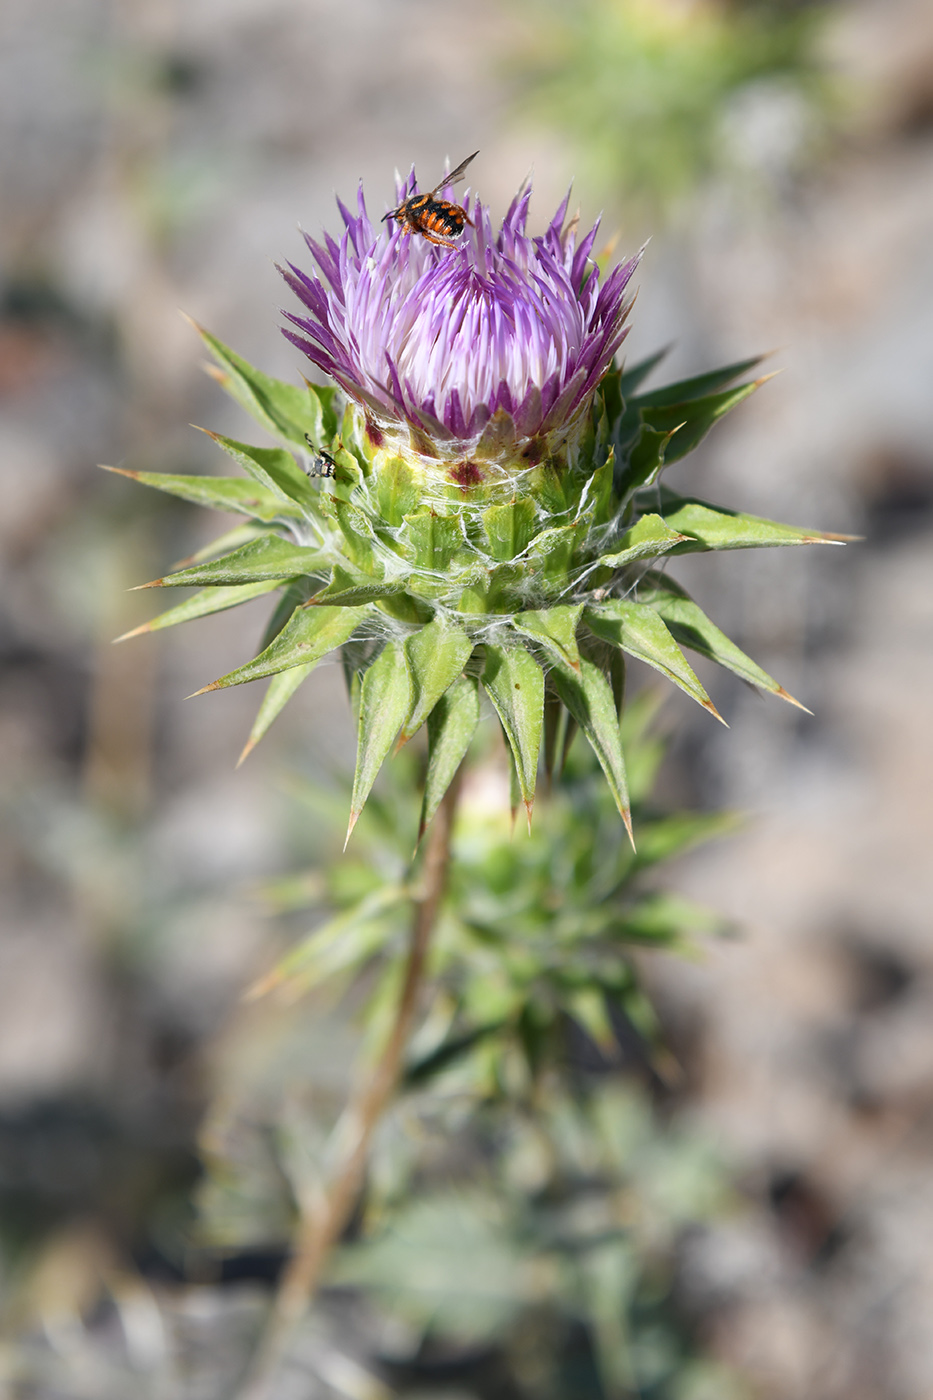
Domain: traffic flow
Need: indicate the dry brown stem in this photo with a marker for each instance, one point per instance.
(323, 1221)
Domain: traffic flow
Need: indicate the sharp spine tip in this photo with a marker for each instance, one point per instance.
(782, 694)
(133, 632)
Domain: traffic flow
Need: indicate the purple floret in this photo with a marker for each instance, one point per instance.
(441, 338)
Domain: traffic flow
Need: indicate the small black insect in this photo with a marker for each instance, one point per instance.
(437, 220)
(323, 464)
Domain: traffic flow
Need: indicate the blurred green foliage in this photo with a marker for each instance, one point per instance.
(648, 91)
(526, 1193)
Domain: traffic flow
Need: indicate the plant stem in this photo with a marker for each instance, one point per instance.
(324, 1220)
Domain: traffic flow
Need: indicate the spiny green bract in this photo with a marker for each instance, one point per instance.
(435, 579)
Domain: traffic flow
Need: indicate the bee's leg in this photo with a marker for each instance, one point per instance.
(441, 242)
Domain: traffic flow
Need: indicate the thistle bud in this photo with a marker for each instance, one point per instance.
(492, 516)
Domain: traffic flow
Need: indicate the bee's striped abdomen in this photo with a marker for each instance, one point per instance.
(440, 217)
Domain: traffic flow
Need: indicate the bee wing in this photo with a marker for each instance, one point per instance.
(454, 175)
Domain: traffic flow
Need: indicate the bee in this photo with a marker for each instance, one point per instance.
(323, 464)
(437, 220)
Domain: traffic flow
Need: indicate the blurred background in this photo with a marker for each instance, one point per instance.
(159, 155)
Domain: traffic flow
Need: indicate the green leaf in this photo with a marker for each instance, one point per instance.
(449, 1052)
(587, 1005)
(598, 500)
(645, 459)
(223, 544)
(281, 689)
(357, 531)
(638, 630)
(689, 625)
(630, 379)
(282, 409)
(309, 635)
(350, 587)
(702, 384)
(219, 493)
(298, 592)
(509, 528)
(448, 1264)
(342, 942)
(555, 731)
(397, 492)
(670, 836)
(555, 630)
(648, 537)
(589, 698)
(430, 541)
(384, 700)
(689, 422)
(668, 919)
(451, 726)
(551, 553)
(211, 600)
(436, 656)
(514, 682)
(272, 467)
(715, 527)
(269, 557)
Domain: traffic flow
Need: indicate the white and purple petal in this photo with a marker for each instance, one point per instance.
(441, 339)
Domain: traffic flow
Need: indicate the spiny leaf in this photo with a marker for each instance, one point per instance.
(384, 701)
(587, 1005)
(350, 587)
(281, 689)
(638, 630)
(397, 492)
(598, 497)
(282, 409)
(356, 528)
(272, 467)
(551, 552)
(210, 600)
(629, 379)
(648, 537)
(509, 528)
(431, 540)
(298, 592)
(555, 630)
(451, 726)
(514, 683)
(689, 625)
(219, 493)
(304, 640)
(555, 720)
(689, 422)
(224, 544)
(347, 939)
(589, 698)
(436, 656)
(670, 836)
(668, 920)
(269, 557)
(715, 527)
(645, 459)
(686, 389)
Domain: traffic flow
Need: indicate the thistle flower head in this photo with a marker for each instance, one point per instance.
(488, 514)
(481, 347)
